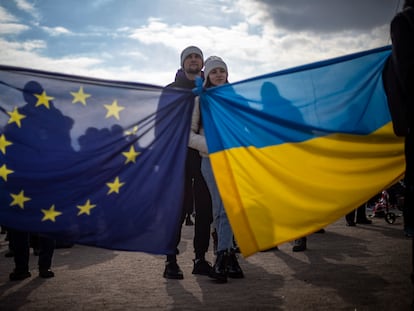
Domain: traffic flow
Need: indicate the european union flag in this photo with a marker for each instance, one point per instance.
(92, 161)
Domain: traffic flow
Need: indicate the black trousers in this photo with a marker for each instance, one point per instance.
(20, 244)
(360, 214)
(197, 195)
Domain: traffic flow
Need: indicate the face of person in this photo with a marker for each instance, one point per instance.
(218, 76)
(193, 64)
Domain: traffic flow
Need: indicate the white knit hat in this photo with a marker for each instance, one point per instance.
(211, 63)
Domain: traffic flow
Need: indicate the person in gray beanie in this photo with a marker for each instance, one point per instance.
(196, 192)
(187, 52)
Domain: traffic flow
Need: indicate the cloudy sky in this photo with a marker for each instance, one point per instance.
(140, 40)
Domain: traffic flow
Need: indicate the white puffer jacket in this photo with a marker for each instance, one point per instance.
(197, 139)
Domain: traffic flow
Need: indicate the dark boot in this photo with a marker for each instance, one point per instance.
(234, 270)
(18, 275)
(350, 219)
(201, 266)
(172, 269)
(299, 245)
(219, 270)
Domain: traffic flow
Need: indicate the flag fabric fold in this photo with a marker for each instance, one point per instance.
(295, 150)
(92, 161)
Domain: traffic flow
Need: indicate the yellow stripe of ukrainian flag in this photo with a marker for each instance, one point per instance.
(278, 193)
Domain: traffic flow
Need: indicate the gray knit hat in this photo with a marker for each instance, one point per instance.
(211, 63)
(190, 50)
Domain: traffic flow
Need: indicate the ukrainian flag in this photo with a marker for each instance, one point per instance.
(294, 151)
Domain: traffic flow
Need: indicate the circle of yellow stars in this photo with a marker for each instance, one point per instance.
(43, 99)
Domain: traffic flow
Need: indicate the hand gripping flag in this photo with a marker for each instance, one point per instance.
(91, 161)
(295, 150)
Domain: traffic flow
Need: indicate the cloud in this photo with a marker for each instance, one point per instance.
(29, 45)
(12, 28)
(9, 23)
(25, 54)
(254, 37)
(257, 46)
(56, 31)
(27, 7)
(328, 16)
(6, 17)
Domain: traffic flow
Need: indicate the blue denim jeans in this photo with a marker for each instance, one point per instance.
(221, 222)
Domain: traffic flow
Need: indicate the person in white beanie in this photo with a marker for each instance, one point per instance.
(226, 263)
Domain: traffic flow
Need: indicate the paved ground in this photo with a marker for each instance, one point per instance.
(348, 268)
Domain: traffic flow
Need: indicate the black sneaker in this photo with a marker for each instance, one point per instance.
(19, 275)
(202, 267)
(46, 273)
(173, 271)
(299, 245)
(233, 268)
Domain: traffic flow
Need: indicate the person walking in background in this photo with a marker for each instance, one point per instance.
(196, 193)
(361, 217)
(226, 263)
(300, 245)
(20, 244)
(9, 252)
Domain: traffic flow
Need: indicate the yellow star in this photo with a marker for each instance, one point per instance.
(113, 110)
(19, 199)
(85, 209)
(114, 186)
(130, 155)
(43, 99)
(80, 96)
(132, 132)
(50, 214)
(4, 171)
(4, 143)
(15, 116)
